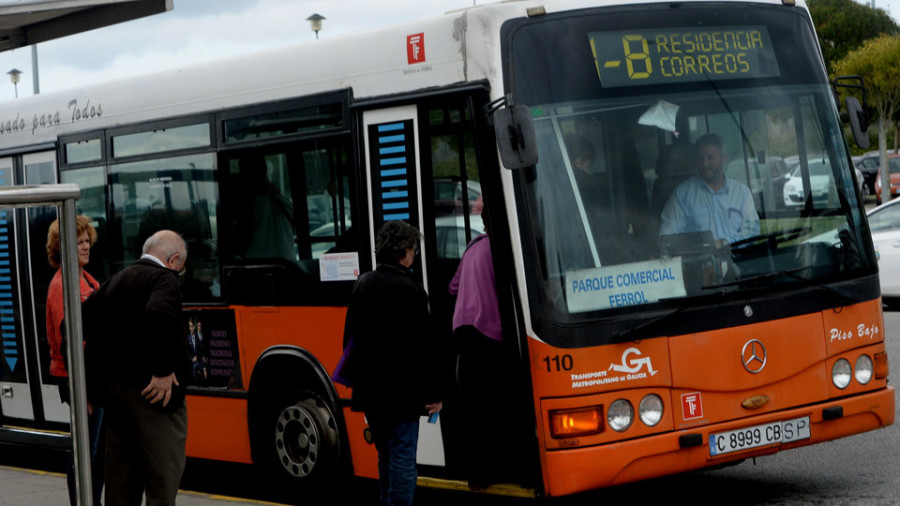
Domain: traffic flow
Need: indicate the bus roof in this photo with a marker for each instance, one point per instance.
(458, 47)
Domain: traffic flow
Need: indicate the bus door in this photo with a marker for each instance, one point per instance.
(423, 170)
(453, 205)
(36, 272)
(27, 393)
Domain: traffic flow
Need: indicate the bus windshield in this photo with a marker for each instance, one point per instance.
(684, 154)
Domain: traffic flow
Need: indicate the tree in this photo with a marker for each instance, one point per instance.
(843, 25)
(878, 63)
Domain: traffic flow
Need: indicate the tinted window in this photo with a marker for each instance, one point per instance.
(177, 193)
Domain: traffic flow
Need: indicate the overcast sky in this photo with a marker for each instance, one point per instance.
(201, 30)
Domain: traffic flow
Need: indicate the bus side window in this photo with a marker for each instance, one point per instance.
(178, 193)
(274, 241)
(329, 212)
(263, 223)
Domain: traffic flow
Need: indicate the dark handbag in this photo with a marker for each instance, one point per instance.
(343, 371)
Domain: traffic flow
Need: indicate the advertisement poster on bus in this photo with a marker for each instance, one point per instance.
(212, 346)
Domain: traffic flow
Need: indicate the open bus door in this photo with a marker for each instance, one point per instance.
(423, 167)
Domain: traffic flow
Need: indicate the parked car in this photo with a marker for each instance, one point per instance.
(450, 233)
(884, 222)
(894, 169)
(868, 164)
(821, 181)
(820, 177)
(861, 182)
(448, 197)
(323, 237)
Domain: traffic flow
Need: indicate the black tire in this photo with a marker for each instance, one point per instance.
(305, 443)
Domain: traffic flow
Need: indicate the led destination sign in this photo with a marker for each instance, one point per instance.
(679, 55)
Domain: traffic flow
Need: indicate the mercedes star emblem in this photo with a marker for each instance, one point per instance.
(753, 356)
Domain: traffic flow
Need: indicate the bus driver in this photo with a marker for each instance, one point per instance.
(711, 201)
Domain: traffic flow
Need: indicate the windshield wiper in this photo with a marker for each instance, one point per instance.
(790, 273)
(759, 277)
(682, 303)
(626, 334)
(771, 239)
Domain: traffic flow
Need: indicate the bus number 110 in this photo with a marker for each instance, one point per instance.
(559, 363)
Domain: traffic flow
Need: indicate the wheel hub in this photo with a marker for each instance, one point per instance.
(296, 441)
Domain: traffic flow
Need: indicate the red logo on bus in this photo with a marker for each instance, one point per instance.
(415, 48)
(691, 406)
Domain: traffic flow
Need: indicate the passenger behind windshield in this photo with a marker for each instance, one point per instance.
(582, 154)
(710, 201)
(593, 188)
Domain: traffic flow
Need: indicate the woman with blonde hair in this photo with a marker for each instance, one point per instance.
(85, 235)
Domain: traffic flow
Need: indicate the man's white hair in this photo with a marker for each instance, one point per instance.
(165, 243)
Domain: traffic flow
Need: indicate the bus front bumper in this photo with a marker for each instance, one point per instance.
(569, 471)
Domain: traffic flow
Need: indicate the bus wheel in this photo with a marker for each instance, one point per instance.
(307, 441)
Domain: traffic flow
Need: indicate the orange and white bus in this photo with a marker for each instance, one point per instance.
(638, 354)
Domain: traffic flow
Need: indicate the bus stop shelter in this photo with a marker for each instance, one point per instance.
(28, 22)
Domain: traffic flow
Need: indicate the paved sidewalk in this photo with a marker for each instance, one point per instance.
(27, 487)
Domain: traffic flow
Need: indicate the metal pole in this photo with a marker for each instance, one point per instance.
(34, 69)
(77, 391)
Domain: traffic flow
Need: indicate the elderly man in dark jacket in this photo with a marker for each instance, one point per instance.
(394, 358)
(137, 357)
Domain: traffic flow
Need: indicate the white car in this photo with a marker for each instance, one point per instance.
(451, 234)
(821, 181)
(884, 222)
(328, 230)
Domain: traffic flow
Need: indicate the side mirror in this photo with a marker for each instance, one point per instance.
(858, 122)
(856, 113)
(514, 128)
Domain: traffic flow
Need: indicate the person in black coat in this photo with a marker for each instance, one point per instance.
(137, 366)
(394, 358)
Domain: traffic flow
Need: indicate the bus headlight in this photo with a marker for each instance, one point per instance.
(651, 410)
(841, 373)
(620, 415)
(864, 369)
